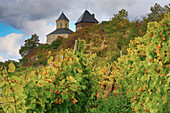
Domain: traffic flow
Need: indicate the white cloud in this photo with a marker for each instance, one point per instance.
(2, 59)
(39, 27)
(10, 45)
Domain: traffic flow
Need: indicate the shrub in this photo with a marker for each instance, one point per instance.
(144, 72)
(116, 103)
(68, 83)
(55, 44)
(39, 55)
(44, 46)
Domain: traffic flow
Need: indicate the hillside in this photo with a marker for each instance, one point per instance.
(106, 39)
(106, 44)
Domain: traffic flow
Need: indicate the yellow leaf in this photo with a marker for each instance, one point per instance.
(50, 60)
(62, 82)
(11, 67)
(73, 87)
(75, 100)
(49, 53)
(79, 70)
(147, 99)
(70, 79)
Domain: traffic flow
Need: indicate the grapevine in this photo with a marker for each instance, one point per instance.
(144, 72)
(69, 78)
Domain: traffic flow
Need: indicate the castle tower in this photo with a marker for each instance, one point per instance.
(62, 22)
(62, 29)
(86, 19)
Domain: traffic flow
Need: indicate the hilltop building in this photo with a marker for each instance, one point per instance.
(62, 25)
(86, 19)
(62, 29)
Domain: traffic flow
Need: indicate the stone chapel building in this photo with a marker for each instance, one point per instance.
(86, 19)
(62, 29)
(62, 25)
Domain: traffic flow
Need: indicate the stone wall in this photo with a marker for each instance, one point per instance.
(52, 37)
(81, 25)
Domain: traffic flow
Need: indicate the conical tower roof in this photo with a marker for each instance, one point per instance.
(86, 17)
(63, 17)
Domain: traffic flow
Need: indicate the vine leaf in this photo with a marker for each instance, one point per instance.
(11, 67)
(50, 60)
(49, 53)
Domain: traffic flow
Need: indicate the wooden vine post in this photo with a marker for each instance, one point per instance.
(75, 45)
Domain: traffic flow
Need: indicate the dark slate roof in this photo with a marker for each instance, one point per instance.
(62, 31)
(87, 18)
(62, 17)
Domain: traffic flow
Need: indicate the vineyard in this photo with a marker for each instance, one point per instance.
(71, 82)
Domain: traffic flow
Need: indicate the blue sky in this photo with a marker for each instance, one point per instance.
(19, 19)
(7, 29)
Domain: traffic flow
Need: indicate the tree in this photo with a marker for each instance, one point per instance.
(119, 23)
(123, 14)
(157, 13)
(55, 44)
(30, 44)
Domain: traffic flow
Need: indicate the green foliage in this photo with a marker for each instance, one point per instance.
(55, 44)
(157, 13)
(23, 61)
(144, 72)
(67, 84)
(6, 63)
(123, 14)
(44, 46)
(119, 23)
(29, 45)
(117, 103)
(39, 55)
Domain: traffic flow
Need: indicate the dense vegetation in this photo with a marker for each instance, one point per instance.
(83, 80)
(144, 72)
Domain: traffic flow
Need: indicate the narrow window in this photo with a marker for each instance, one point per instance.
(60, 25)
(65, 25)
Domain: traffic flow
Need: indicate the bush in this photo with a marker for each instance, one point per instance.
(116, 103)
(55, 44)
(144, 72)
(68, 83)
(39, 55)
(44, 46)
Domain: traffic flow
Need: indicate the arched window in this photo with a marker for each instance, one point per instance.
(65, 25)
(60, 25)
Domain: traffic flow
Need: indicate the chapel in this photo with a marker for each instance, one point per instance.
(62, 29)
(62, 25)
(86, 19)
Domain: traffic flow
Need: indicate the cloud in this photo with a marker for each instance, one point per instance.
(104, 9)
(15, 12)
(10, 45)
(38, 16)
(18, 13)
(2, 59)
(39, 27)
